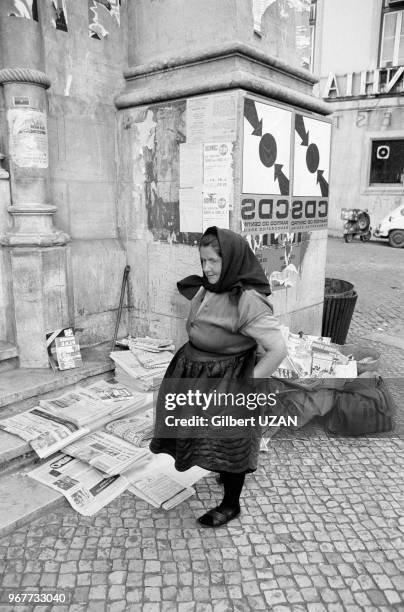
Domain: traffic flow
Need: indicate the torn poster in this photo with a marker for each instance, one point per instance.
(28, 137)
(103, 16)
(23, 8)
(60, 15)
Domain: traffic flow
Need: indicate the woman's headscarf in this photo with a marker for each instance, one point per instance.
(240, 268)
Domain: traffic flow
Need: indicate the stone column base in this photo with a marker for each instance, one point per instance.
(40, 298)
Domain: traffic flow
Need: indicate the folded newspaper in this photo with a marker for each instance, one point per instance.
(159, 484)
(86, 489)
(153, 345)
(51, 428)
(106, 452)
(145, 378)
(137, 429)
(46, 432)
(85, 404)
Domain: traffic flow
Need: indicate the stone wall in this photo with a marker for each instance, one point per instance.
(83, 52)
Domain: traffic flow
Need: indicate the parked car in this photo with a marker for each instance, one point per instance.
(392, 228)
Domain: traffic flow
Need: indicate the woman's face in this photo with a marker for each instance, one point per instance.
(211, 263)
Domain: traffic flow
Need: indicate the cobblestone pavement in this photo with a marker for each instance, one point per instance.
(321, 528)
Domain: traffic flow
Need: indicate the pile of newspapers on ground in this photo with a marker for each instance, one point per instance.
(313, 369)
(103, 431)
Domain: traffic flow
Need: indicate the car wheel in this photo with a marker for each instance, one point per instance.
(348, 237)
(366, 237)
(396, 239)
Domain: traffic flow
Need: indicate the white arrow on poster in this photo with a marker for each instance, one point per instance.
(266, 149)
(312, 157)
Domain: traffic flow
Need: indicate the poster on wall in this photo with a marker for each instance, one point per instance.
(215, 210)
(311, 157)
(266, 148)
(218, 166)
(28, 137)
(212, 118)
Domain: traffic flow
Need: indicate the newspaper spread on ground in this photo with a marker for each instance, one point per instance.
(106, 452)
(158, 482)
(86, 489)
(46, 432)
(85, 404)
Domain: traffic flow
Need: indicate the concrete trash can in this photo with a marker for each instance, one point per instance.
(339, 304)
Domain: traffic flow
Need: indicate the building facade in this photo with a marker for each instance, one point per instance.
(114, 116)
(359, 55)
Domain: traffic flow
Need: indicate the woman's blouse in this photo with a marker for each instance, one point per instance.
(217, 325)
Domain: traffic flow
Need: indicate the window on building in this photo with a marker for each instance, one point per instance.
(392, 43)
(387, 162)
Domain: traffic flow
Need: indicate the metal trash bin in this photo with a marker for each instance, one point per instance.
(339, 304)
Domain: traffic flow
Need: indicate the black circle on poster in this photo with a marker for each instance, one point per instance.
(312, 158)
(268, 150)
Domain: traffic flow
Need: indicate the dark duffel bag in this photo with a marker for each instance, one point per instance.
(363, 406)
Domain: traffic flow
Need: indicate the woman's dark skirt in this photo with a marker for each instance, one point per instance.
(230, 454)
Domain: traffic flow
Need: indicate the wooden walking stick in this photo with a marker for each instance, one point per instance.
(118, 318)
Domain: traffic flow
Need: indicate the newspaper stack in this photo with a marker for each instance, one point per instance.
(314, 357)
(140, 369)
(153, 345)
(87, 404)
(46, 432)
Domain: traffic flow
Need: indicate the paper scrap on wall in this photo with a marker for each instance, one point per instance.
(23, 8)
(103, 16)
(190, 200)
(28, 137)
(59, 19)
(191, 165)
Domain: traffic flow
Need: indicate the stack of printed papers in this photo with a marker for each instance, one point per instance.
(129, 371)
(87, 404)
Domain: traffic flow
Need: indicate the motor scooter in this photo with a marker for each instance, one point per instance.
(357, 223)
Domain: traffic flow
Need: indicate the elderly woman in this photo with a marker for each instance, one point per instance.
(230, 315)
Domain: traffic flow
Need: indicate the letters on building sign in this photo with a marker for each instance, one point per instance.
(366, 83)
(283, 215)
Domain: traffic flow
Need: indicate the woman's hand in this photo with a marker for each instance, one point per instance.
(275, 351)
